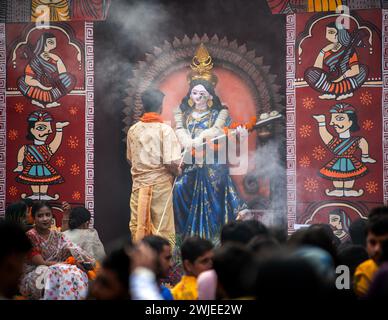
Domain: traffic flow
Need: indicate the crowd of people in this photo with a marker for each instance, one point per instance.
(252, 261)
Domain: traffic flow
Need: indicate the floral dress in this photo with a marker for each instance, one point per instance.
(57, 282)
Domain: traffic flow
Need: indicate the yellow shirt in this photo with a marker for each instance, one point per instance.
(363, 276)
(186, 289)
(150, 146)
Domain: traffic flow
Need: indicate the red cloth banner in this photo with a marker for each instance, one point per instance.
(49, 113)
(335, 155)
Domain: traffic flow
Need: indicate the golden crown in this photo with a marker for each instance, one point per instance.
(201, 66)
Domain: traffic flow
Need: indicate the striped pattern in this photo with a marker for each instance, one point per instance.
(323, 5)
(291, 121)
(89, 119)
(3, 119)
(384, 103)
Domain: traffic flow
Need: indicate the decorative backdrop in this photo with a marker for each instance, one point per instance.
(59, 109)
(335, 177)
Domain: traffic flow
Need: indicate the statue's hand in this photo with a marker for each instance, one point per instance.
(18, 169)
(242, 132)
(197, 142)
(320, 118)
(60, 125)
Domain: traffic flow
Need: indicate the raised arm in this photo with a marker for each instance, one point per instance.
(54, 145)
(323, 132)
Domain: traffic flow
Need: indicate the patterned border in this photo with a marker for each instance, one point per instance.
(3, 118)
(384, 102)
(291, 120)
(89, 119)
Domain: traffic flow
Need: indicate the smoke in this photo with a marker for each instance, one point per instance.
(140, 23)
(269, 164)
(137, 26)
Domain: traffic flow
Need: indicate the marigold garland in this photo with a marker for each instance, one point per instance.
(228, 131)
(92, 274)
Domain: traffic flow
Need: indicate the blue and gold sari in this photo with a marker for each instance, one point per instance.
(205, 197)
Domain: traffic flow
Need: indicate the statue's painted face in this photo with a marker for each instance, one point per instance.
(51, 44)
(41, 130)
(340, 122)
(335, 221)
(200, 96)
(331, 34)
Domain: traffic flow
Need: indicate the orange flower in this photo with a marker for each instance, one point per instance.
(249, 126)
(92, 275)
(71, 260)
(76, 195)
(308, 103)
(13, 191)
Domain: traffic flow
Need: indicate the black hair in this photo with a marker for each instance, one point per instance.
(152, 100)
(352, 256)
(78, 216)
(194, 247)
(39, 205)
(28, 202)
(261, 244)
(30, 136)
(257, 227)
(378, 212)
(378, 226)
(357, 232)
(13, 239)
(318, 235)
(384, 254)
(241, 231)
(343, 35)
(283, 276)
(156, 242)
(236, 270)
(217, 105)
(355, 126)
(118, 261)
(40, 44)
(16, 212)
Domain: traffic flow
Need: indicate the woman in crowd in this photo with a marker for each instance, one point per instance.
(80, 233)
(47, 275)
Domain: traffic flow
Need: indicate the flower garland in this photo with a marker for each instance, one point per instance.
(229, 133)
(92, 274)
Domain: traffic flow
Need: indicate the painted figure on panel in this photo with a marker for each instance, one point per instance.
(205, 197)
(340, 223)
(344, 168)
(46, 78)
(337, 73)
(58, 10)
(34, 159)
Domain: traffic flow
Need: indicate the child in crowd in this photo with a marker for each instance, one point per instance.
(197, 255)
